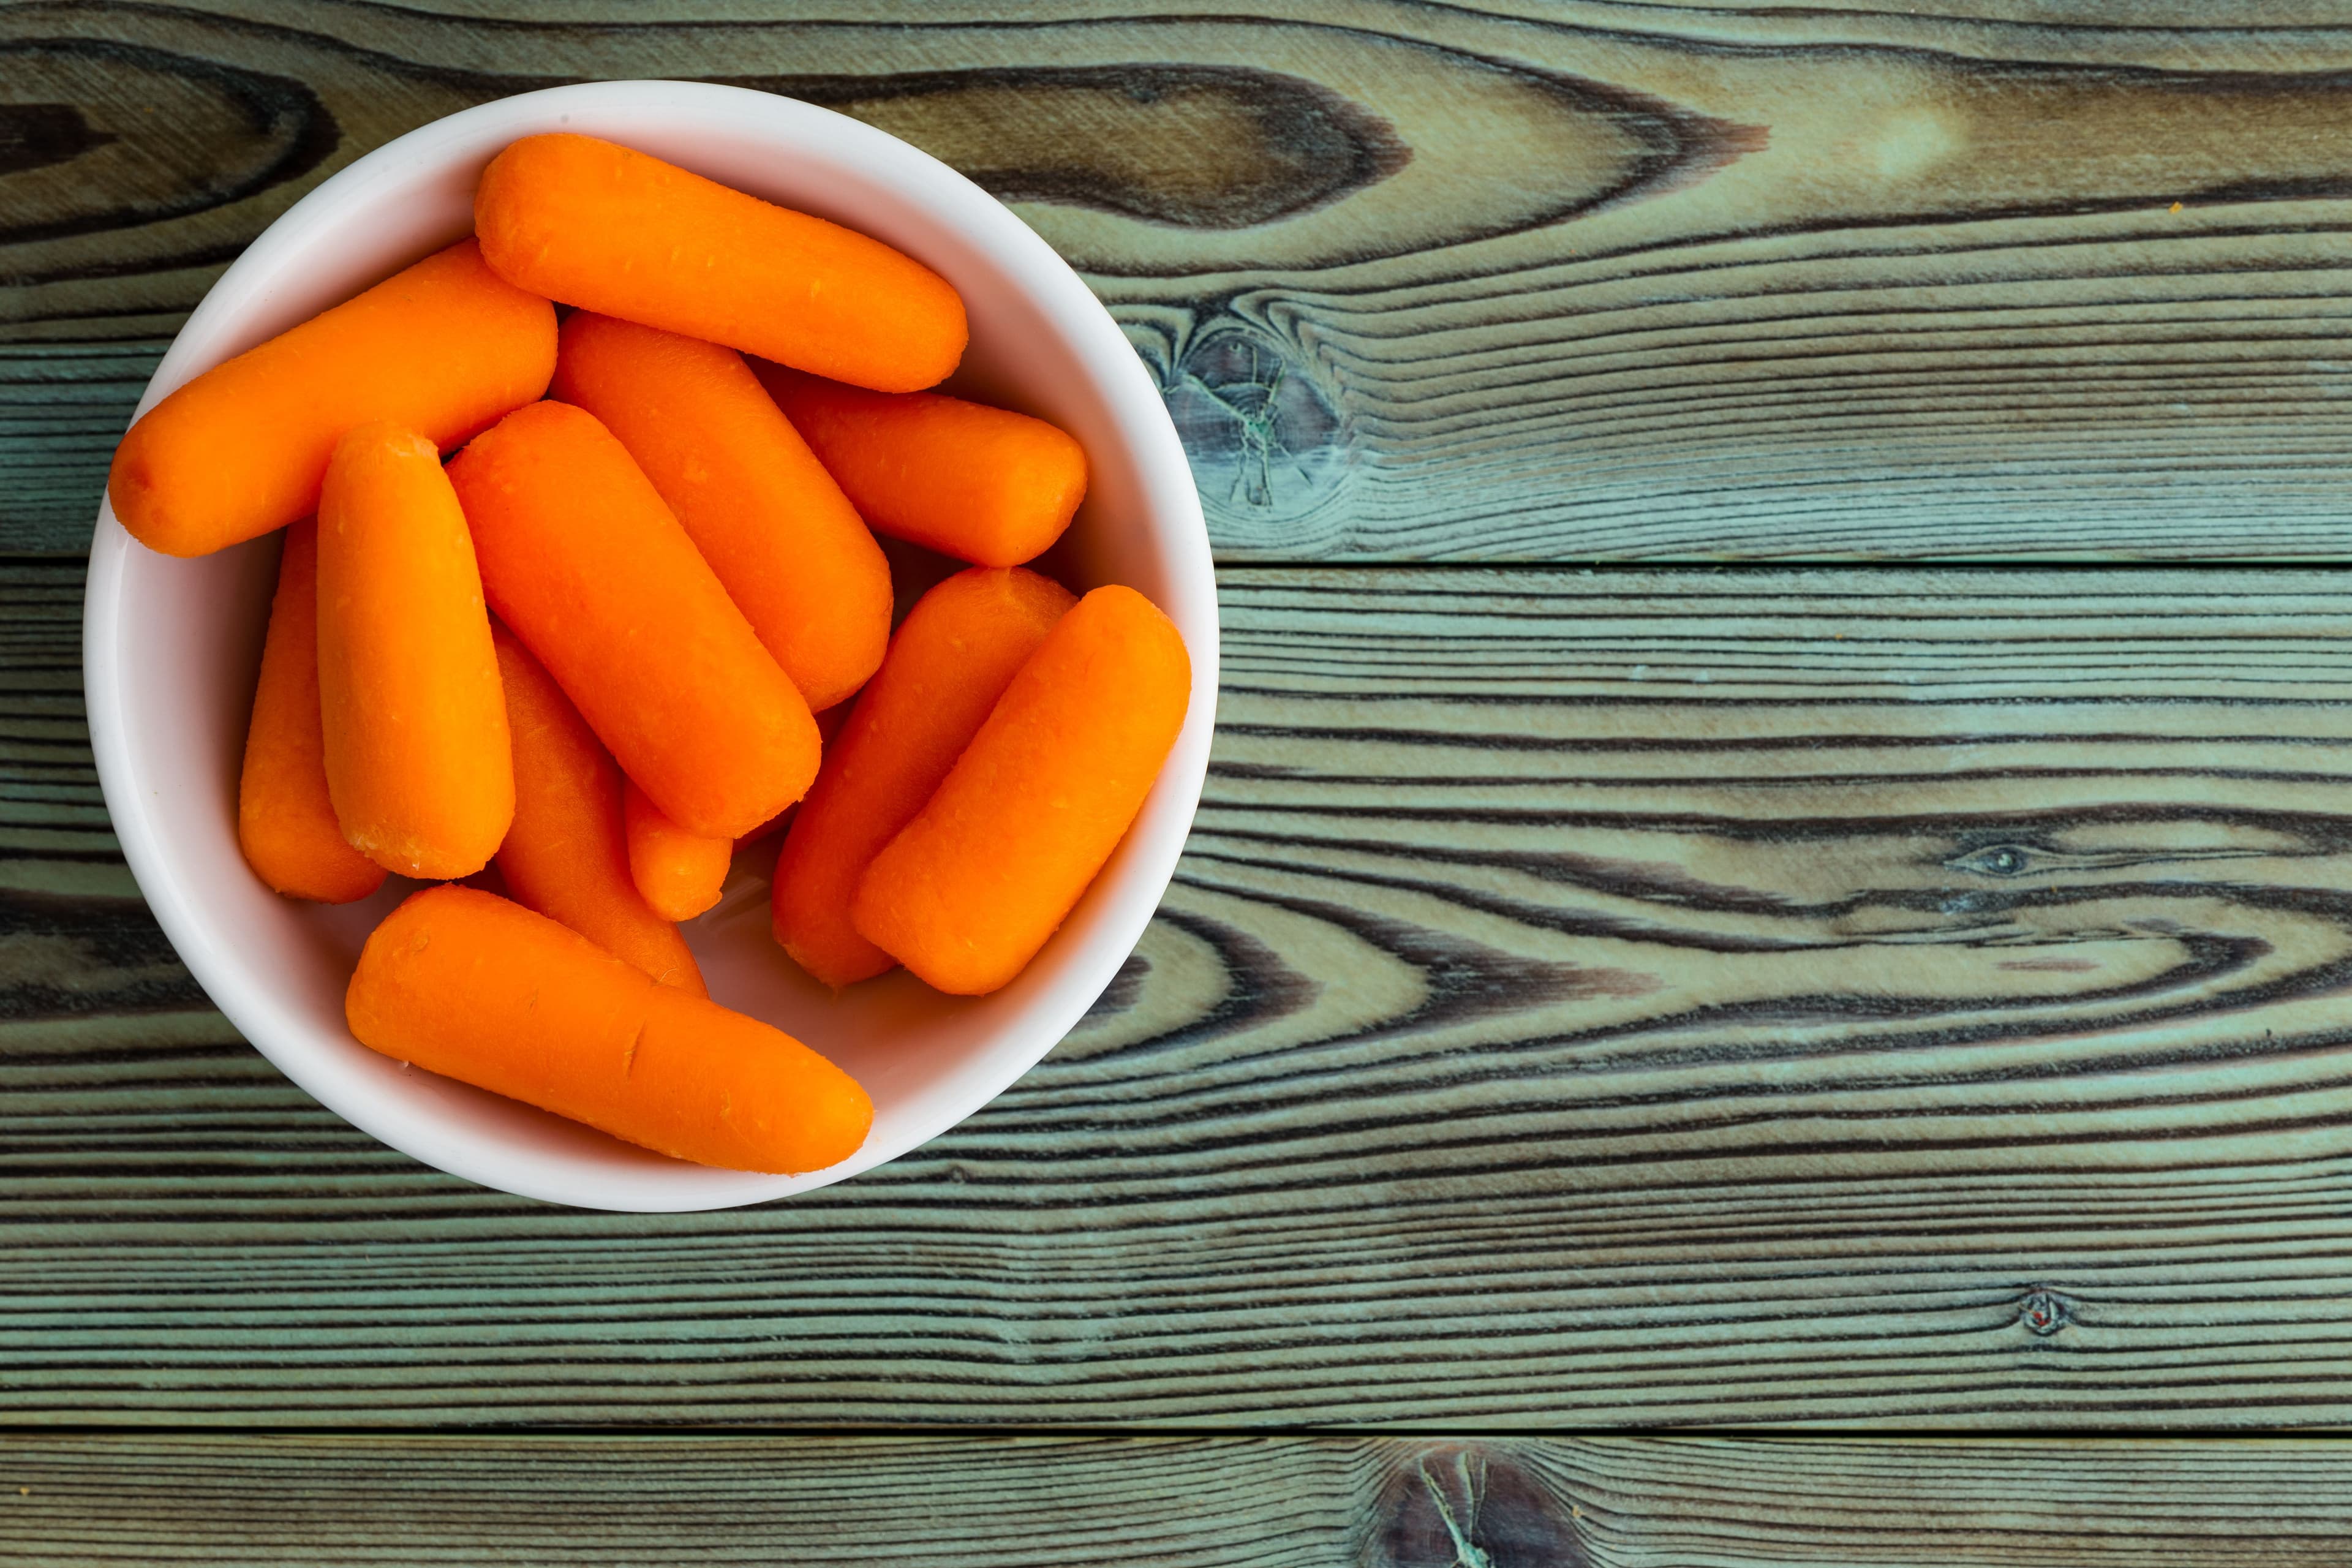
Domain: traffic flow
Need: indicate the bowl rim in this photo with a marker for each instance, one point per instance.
(1053, 287)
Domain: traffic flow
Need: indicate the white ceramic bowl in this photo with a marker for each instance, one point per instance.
(171, 648)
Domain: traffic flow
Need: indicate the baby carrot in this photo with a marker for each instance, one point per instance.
(958, 649)
(285, 819)
(417, 757)
(678, 872)
(624, 234)
(467, 985)
(566, 856)
(794, 553)
(444, 347)
(978, 483)
(585, 565)
(969, 891)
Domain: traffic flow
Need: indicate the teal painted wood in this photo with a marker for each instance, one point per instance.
(1079, 1502)
(62, 408)
(1839, 996)
(1591, 281)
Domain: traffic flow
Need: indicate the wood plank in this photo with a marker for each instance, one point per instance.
(1984, 279)
(1703, 997)
(1185, 1502)
(574, 1501)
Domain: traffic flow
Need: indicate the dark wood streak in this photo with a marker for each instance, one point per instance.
(33, 135)
(1629, 146)
(1236, 147)
(285, 130)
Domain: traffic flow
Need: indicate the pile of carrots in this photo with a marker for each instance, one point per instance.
(607, 642)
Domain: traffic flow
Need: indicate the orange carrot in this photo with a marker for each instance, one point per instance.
(417, 757)
(285, 820)
(444, 347)
(467, 985)
(678, 872)
(792, 551)
(969, 891)
(958, 650)
(587, 566)
(978, 483)
(566, 856)
(618, 232)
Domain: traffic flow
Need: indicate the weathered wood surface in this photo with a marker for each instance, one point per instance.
(1979, 280)
(1186, 1503)
(1830, 996)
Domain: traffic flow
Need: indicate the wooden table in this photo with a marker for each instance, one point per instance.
(1779, 853)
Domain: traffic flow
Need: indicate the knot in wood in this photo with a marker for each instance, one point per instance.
(1266, 440)
(2045, 1312)
(1470, 1506)
(1998, 860)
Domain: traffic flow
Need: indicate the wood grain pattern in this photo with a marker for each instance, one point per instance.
(1633, 280)
(1644, 998)
(1186, 1503)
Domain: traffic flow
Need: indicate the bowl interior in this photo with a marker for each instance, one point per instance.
(172, 646)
